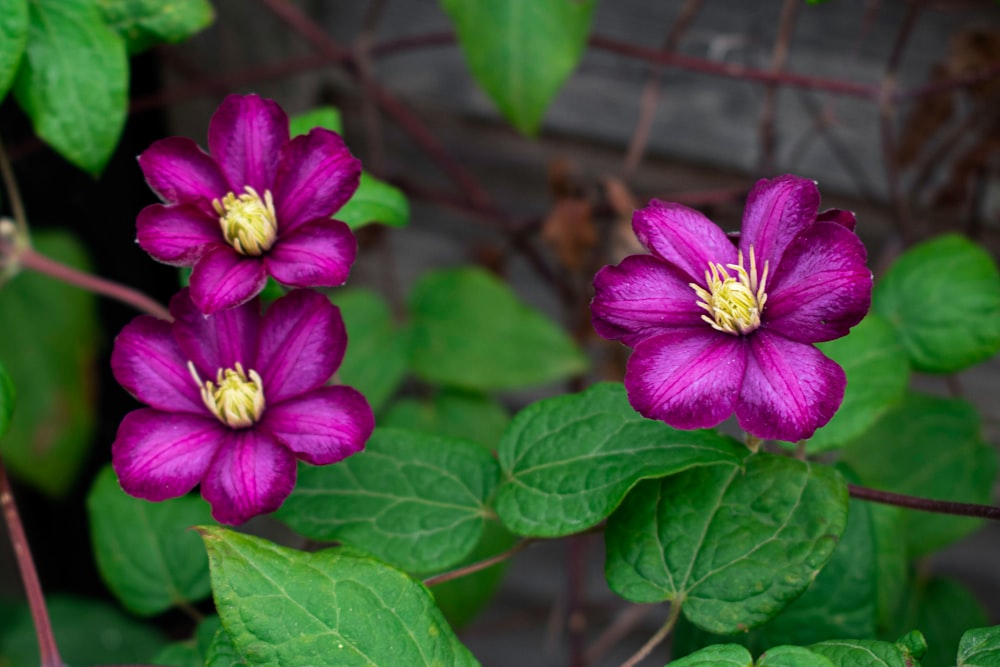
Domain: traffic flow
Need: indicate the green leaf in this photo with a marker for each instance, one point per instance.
(222, 652)
(414, 500)
(864, 653)
(469, 330)
(460, 600)
(7, 398)
(929, 447)
(568, 461)
(377, 349)
(878, 372)
(282, 606)
(179, 654)
(48, 345)
(720, 655)
(88, 632)
(13, 38)
(375, 201)
(453, 414)
(326, 117)
(736, 546)
(943, 609)
(891, 560)
(943, 298)
(73, 81)
(980, 648)
(146, 23)
(792, 656)
(522, 51)
(145, 551)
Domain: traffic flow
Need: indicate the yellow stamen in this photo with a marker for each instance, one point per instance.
(234, 398)
(734, 302)
(248, 221)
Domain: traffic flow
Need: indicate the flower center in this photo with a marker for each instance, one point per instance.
(236, 399)
(734, 302)
(248, 222)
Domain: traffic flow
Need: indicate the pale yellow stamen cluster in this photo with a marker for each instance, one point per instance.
(248, 221)
(236, 397)
(734, 302)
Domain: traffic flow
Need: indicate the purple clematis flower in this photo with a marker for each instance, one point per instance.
(719, 328)
(235, 398)
(259, 205)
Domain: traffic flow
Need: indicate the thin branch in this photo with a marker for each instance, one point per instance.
(779, 56)
(30, 259)
(480, 565)
(13, 194)
(925, 504)
(651, 93)
(654, 641)
(47, 648)
(624, 624)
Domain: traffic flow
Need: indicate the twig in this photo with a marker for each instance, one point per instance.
(618, 630)
(479, 565)
(925, 504)
(30, 259)
(651, 93)
(13, 194)
(779, 56)
(654, 641)
(47, 648)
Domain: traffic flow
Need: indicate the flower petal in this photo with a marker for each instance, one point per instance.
(789, 390)
(245, 136)
(178, 170)
(224, 278)
(217, 341)
(322, 426)
(838, 215)
(177, 235)
(687, 379)
(302, 343)
(316, 176)
(251, 474)
(149, 364)
(160, 455)
(776, 211)
(822, 287)
(317, 254)
(642, 297)
(683, 237)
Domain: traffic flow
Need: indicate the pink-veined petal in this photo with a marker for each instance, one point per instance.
(822, 287)
(217, 341)
(149, 364)
(302, 342)
(251, 474)
(641, 297)
(223, 278)
(318, 254)
(159, 455)
(683, 237)
(177, 235)
(688, 379)
(322, 426)
(789, 389)
(245, 136)
(776, 211)
(178, 170)
(838, 215)
(316, 176)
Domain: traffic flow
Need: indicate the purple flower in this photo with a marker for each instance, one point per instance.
(235, 398)
(718, 328)
(259, 205)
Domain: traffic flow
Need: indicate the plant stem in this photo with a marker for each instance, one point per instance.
(47, 649)
(30, 259)
(480, 565)
(13, 194)
(925, 504)
(654, 641)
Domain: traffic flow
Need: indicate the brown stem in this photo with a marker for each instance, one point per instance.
(624, 624)
(479, 565)
(651, 93)
(779, 56)
(925, 504)
(654, 641)
(47, 649)
(30, 259)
